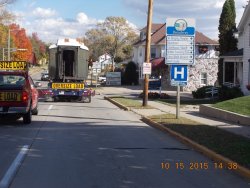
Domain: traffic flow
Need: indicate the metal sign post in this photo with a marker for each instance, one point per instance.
(178, 103)
(179, 77)
(96, 80)
(180, 48)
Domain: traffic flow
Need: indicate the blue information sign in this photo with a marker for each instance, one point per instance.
(180, 43)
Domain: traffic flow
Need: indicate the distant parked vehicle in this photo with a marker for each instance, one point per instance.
(102, 79)
(45, 77)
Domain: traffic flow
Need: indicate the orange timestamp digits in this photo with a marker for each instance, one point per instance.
(229, 165)
(198, 165)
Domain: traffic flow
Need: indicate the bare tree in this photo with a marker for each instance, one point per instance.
(5, 2)
(5, 15)
(113, 36)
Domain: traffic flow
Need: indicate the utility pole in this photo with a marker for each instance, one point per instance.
(147, 50)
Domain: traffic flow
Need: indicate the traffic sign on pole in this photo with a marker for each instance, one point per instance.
(179, 75)
(146, 68)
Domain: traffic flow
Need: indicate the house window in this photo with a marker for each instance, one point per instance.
(153, 52)
(203, 49)
(203, 78)
(142, 36)
(140, 52)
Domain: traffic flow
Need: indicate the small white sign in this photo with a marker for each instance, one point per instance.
(146, 68)
(96, 65)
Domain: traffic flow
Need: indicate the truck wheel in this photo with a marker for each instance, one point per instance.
(55, 99)
(27, 117)
(89, 99)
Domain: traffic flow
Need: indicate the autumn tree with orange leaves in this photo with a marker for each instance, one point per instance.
(21, 43)
(39, 47)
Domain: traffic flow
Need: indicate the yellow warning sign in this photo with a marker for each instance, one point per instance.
(67, 85)
(13, 65)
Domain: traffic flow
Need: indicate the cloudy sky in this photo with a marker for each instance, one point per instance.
(52, 19)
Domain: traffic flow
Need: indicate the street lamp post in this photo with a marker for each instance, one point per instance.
(9, 42)
(9, 45)
(11, 50)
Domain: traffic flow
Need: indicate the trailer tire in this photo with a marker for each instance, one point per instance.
(89, 99)
(55, 99)
(86, 99)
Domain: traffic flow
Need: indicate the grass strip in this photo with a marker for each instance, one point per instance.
(239, 105)
(232, 146)
(130, 102)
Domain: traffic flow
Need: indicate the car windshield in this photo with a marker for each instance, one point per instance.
(11, 80)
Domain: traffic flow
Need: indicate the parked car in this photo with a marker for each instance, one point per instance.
(45, 77)
(18, 96)
(102, 79)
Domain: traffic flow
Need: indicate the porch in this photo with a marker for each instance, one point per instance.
(233, 68)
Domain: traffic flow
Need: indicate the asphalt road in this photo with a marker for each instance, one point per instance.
(98, 145)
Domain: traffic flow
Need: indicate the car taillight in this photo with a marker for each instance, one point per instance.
(25, 96)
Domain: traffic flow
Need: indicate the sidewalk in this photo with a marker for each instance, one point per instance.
(190, 111)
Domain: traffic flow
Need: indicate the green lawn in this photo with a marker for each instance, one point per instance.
(230, 145)
(239, 105)
(188, 101)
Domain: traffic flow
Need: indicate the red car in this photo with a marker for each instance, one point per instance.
(18, 95)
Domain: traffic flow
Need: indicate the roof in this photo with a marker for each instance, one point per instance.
(200, 38)
(236, 53)
(244, 18)
(155, 27)
(69, 42)
(158, 36)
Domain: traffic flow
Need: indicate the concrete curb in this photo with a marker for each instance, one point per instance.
(202, 149)
(210, 111)
(244, 172)
(117, 104)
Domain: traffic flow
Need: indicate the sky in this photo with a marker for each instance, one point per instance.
(53, 19)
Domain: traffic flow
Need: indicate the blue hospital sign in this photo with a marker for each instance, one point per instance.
(179, 75)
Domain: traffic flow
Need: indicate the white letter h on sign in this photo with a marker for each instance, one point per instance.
(176, 72)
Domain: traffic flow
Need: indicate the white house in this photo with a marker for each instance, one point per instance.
(239, 61)
(105, 60)
(204, 72)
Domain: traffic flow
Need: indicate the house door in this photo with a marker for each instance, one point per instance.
(229, 72)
